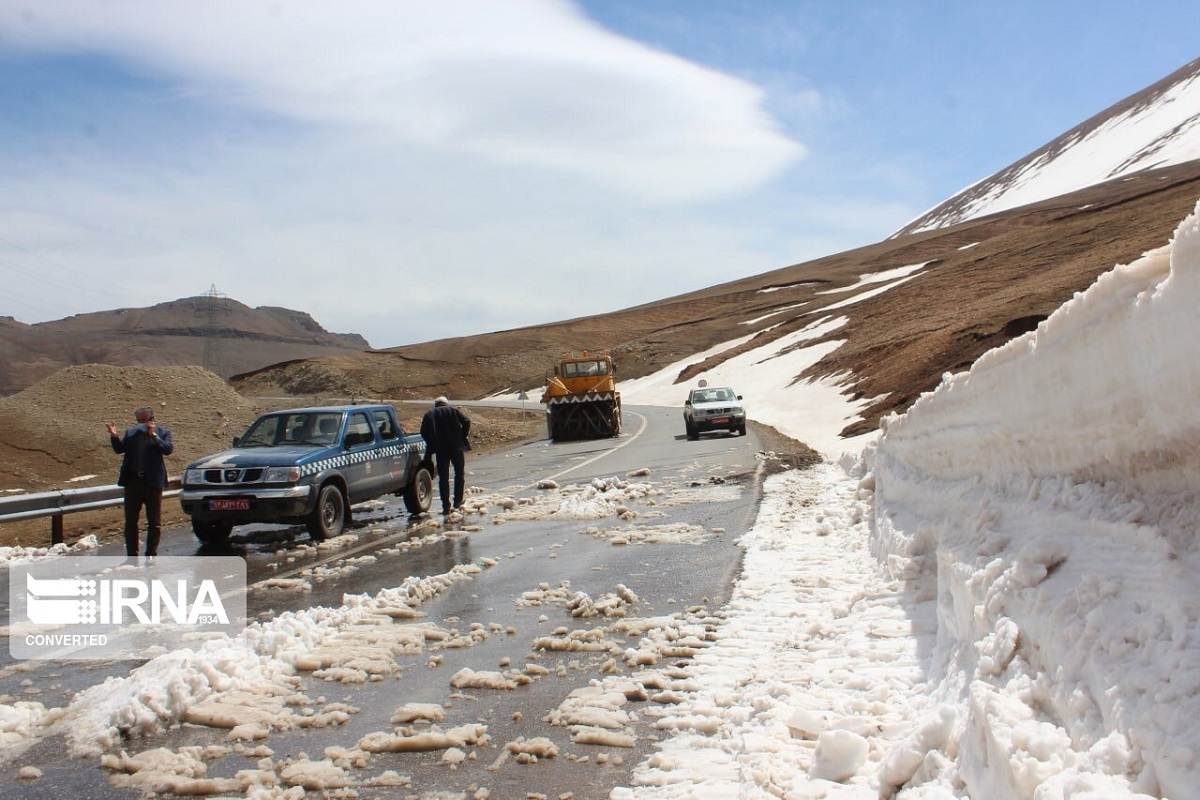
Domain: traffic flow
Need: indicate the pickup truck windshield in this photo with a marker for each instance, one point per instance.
(281, 430)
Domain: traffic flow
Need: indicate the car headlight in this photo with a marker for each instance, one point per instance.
(282, 475)
(193, 476)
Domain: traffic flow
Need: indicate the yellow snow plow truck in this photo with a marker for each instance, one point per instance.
(582, 401)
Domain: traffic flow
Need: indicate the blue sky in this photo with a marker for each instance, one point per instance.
(413, 171)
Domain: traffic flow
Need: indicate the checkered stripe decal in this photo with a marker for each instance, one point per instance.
(346, 459)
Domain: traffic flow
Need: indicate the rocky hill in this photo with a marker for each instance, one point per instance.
(223, 335)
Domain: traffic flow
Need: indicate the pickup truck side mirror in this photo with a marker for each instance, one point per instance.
(237, 440)
(739, 397)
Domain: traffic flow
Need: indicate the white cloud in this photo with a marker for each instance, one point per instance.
(530, 83)
(452, 153)
(448, 247)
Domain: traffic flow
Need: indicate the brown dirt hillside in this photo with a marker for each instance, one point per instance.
(61, 419)
(985, 281)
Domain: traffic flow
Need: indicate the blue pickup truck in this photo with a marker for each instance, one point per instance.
(307, 465)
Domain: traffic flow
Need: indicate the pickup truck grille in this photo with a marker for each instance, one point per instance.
(228, 475)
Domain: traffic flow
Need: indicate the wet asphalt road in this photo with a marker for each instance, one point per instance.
(666, 577)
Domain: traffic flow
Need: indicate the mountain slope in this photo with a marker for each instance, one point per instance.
(967, 288)
(983, 267)
(1157, 127)
(223, 334)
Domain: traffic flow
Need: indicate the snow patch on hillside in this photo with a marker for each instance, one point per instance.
(1162, 131)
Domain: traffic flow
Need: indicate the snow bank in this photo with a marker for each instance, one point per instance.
(1104, 390)
(1052, 492)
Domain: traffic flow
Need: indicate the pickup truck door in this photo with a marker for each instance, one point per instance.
(395, 456)
(364, 472)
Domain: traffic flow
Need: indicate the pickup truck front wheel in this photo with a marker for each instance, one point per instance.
(211, 531)
(329, 517)
(418, 495)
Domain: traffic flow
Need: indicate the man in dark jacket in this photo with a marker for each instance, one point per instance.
(144, 476)
(445, 431)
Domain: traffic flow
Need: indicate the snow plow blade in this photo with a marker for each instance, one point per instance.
(588, 417)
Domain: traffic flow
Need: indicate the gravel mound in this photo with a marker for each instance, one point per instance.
(55, 428)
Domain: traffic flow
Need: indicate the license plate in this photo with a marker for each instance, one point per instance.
(720, 420)
(238, 504)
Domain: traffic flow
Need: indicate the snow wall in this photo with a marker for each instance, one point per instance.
(1052, 491)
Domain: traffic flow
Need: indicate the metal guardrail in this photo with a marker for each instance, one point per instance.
(59, 502)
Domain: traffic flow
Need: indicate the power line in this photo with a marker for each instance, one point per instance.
(38, 307)
(62, 278)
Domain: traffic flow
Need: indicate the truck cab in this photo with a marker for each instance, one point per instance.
(581, 399)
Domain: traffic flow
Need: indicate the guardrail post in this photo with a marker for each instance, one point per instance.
(56, 529)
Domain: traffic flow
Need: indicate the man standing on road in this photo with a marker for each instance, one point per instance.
(144, 476)
(445, 431)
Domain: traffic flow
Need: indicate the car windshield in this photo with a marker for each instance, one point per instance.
(278, 430)
(713, 395)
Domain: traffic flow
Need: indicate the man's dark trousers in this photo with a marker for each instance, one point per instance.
(443, 460)
(139, 494)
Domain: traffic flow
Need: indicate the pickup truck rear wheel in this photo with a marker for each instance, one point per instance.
(418, 495)
(329, 517)
(211, 531)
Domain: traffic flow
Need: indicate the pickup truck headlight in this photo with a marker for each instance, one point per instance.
(191, 476)
(282, 475)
